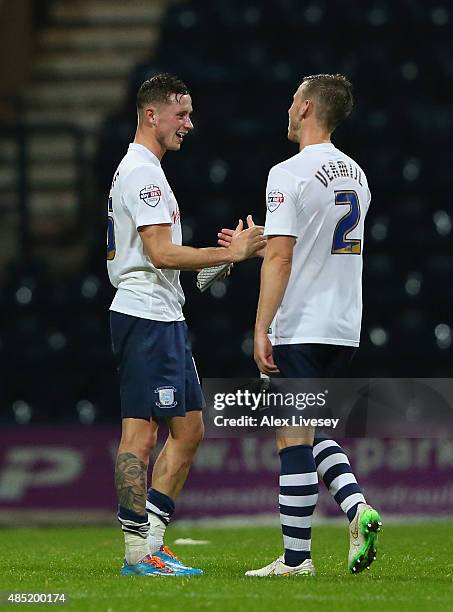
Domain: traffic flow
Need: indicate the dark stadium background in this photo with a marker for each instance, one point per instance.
(69, 72)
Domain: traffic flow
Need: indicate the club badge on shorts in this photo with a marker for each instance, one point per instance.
(274, 199)
(151, 195)
(165, 397)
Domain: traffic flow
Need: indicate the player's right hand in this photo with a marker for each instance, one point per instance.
(226, 235)
(246, 242)
(262, 354)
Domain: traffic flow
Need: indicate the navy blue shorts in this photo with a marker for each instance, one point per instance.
(313, 360)
(156, 369)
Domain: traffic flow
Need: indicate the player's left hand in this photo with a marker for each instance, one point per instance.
(263, 354)
(225, 236)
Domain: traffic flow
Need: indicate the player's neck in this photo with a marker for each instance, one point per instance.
(313, 136)
(149, 142)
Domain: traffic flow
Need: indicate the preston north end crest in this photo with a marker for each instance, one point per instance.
(166, 397)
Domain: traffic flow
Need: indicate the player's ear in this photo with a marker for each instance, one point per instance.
(304, 108)
(149, 115)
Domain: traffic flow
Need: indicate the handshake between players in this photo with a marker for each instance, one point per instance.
(243, 243)
(226, 236)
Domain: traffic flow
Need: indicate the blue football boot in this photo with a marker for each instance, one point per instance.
(172, 561)
(149, 566)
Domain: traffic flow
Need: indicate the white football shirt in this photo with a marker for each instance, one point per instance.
(140, 195)
(321, 197)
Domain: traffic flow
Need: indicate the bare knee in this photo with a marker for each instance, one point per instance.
(294, 436)
(187, 432)
(138, 437)
(189, 440)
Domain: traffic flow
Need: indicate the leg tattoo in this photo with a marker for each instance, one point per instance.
(130, 482)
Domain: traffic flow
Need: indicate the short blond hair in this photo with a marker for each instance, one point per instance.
(333, 93)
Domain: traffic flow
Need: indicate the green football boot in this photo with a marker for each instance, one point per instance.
(363, 535)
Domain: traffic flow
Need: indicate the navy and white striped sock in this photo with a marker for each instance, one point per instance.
(135, 528)
(160, 509)
(160, 504)
(297, 499)
(133, 522)
(333, 467)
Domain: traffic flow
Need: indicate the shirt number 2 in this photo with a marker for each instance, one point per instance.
(341, 244)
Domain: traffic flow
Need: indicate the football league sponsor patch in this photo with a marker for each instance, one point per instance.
(274, 199)
(165, 397)
(151, 195)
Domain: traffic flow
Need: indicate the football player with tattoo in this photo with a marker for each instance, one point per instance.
(157, 374)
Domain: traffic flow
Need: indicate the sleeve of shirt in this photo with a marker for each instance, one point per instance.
(369, 198)
(282, 193)
(145, 196)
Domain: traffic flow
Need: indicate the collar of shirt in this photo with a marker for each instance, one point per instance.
(320, 145)
(145, 152)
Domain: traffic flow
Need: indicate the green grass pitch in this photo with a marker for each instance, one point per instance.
(414, 571)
